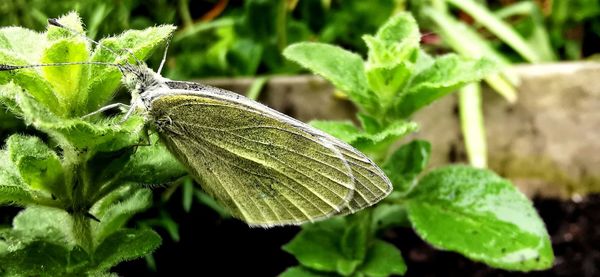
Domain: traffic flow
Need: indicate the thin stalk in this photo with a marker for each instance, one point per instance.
(70, 164)
(500, 28)
(473, 129)
(76, 187)
(281, 25)
(184, 11)
(256, 87)
(465, 41)
(82, 231)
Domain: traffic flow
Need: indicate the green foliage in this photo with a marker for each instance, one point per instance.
(404, 165)
(249, 37)
(344, 246)
(444, 76)
(124, 245)
(342, 68)
(81, 181)
(41, 244)
(569, 15)
(152, 165)
(395, 81)
(84, 170)
(461, 209)
(373, 142)
(498, 225)
(36, 163)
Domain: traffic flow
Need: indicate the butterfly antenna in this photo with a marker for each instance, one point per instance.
(8, 67)
(164, 58)
(54, 22)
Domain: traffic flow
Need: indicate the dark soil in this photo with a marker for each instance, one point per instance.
(211, 246)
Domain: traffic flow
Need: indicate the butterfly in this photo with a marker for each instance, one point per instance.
(264, 167)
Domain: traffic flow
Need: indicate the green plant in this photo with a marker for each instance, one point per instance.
(103, 16)
(248, 40)
(458, 208)
(79, 180)
(244, 38)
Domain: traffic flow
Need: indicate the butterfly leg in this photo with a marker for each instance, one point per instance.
(121, 106)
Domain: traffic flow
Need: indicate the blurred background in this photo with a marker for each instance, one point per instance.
(245, 38)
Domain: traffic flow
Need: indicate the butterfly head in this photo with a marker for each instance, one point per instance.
(140, 78)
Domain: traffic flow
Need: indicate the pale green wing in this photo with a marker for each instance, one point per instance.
(264, 170)
(371, 184)
(245, 137)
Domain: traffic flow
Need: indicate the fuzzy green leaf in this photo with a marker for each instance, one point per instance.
(38, 222)
(383, 259)
(403, 166)
(42, 258)
(68, 82)
(317, 245)
(342, 68)
(12, 187)
(106, 167)
(445, 75)
(70, 20)
(25, 44)
(366, 142)
(105, 80)
(107, 135)
(125, 245)
(388, 81)
(29, 80)
(344, 130)
(9, 122)
(152, 165)
(20, 46)
(386, 216)
(8, 94)
(38, 165)
(40, 244)
(119, 212)
(482, 216)
(370, 124)
(354, 242)
(396, 41)
(393, 52)
(337, 245)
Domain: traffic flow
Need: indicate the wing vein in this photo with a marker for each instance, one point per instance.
(286, 149)
(268, 177)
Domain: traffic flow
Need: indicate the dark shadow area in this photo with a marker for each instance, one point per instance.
(210, 245)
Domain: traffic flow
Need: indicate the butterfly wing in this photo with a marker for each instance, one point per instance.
(370, 183)
(264, 167)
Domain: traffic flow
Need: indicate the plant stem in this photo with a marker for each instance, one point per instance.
(184, 10)
(77, 186)
(281, 25)
(256, 87)
(82, 231)
(471, 118)
(499, 28)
